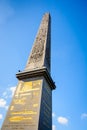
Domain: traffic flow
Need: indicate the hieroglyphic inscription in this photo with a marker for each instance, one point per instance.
(38, 47)
(42, 41)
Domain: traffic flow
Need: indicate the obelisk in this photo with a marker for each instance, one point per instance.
(31, 106)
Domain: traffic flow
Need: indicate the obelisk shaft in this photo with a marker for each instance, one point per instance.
(40, 53)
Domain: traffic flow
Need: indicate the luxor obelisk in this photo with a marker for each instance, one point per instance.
(31, 106)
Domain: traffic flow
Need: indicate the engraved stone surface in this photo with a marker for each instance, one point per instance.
(40, 54)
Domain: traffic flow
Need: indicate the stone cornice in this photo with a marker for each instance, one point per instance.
(37, 73)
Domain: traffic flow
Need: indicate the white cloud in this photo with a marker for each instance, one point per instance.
(1, 116)
(5, 95)
(53, 127)
(62, 120)
(9, 92)
(12, 89)
(2, 102)
(83, 115)
(6, 11)
(53, 115)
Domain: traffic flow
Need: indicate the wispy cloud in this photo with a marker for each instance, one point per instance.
(62, 120)
(3, 103)
(1, 116)
(6, 11)
(83, 115)
(53, 115)
(7, 94)
(12, 89)
(4, 94)
(53, 127)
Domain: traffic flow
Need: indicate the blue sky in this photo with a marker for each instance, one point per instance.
(19, 22)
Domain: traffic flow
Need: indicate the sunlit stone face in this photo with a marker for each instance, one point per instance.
(23, 112)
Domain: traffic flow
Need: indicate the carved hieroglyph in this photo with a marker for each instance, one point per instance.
(40, 53)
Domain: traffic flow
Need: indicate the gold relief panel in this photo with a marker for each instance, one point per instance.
(35, 93)
(35, 105)
(11, 108)
(20, 101)
(36, 83)
(27, 87)
(19, 118)
(25, 112)
(25, 104)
